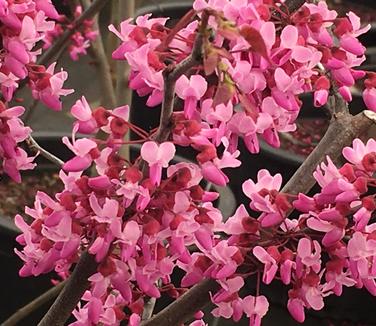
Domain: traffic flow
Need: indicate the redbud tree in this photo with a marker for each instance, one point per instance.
(229, 71)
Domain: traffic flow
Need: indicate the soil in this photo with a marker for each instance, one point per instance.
(15, 196)
(306, 136)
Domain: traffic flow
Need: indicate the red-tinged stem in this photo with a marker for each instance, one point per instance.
(183, 22)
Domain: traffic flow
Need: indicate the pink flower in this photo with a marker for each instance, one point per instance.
(289, 40)
(82, 112)
(158, 157)
(270, 265)
(362, 255)
(286, 89)
(134, 320)
(50, 91)
(309, 255)
(263, 195)
(81, 148)
(191, 91)
(243, 126)
(296, 308)
(106, 214)
(8, 85)
(358, 152)
(224, 258)
(331, 223)
(255, 308)
(212, 170)
(369, 97)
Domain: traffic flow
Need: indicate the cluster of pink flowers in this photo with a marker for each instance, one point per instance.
(331, 245)
(136, 255)
(143, 219)
(255, 92)
(12, 132)
(141, 229)
(79, 41)
(23, 25)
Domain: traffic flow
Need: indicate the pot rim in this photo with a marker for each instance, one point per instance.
(159, 8)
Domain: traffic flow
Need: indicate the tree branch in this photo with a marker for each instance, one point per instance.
(342, 130)
(126, 9)
(148, 308)
(294, 5)
(186, 306)
(34, 146)
(71, 294)
(25, 311)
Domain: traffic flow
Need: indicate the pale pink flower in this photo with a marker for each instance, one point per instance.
(261, 195)
(270, 265)
(358, 151)
(255, 308)
(309, 255)
(191, 91)
(83, 113)
(50, 94)
(158, 157)
(289, 40)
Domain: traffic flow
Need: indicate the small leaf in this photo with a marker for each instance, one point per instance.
(211, 60)
(224, 93)
(255, 40)
(248, 106)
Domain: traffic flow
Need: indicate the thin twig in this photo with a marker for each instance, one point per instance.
(126, 9)
(34, 146)
(294, 5)
(38, 302)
